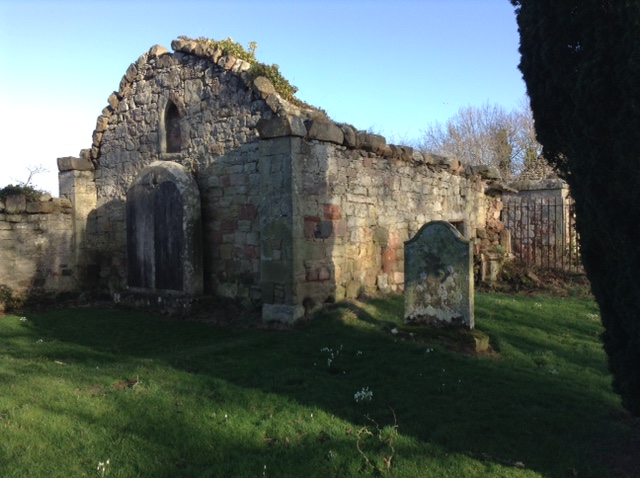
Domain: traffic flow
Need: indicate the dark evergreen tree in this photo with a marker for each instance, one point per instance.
(580, 60)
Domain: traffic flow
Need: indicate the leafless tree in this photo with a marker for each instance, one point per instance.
(33, 171)
(489, 135)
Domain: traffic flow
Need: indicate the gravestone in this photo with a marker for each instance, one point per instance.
(439, 277)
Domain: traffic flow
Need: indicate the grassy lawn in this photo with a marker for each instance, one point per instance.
(161, 397)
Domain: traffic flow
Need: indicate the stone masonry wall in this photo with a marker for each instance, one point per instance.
(218, 143)
(296, 209)
(356, 208)
(36, 246)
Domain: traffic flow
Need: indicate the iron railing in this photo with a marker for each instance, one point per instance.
(543, 233)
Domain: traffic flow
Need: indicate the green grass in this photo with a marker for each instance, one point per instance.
(166, 398)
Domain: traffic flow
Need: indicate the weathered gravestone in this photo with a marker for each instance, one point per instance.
(439, 277)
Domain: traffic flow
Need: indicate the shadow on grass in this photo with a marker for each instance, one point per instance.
(504, 411)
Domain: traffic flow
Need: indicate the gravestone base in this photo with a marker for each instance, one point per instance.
(282, 313)
(457, 339)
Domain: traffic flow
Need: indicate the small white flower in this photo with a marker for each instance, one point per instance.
(23, 319)
(364, 395)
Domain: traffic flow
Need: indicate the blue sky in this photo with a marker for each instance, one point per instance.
(392, 66)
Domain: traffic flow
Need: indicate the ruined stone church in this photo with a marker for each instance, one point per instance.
(203, 181)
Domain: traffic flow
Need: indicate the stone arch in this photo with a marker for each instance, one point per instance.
(164, 232)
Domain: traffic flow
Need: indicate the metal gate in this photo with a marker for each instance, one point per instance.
(543, 233)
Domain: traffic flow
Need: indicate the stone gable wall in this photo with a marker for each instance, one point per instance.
(219, 144)
(36, 246)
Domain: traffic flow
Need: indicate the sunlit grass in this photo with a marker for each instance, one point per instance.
(167, 398)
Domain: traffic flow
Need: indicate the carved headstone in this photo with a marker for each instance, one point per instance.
(439, 277)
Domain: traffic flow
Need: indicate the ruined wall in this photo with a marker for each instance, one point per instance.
(296, 209)
(354, 210)
(36, 246)
(216, 113)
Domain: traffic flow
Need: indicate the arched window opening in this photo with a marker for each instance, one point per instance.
(172, 129)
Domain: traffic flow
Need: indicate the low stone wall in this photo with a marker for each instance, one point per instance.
(36, 246)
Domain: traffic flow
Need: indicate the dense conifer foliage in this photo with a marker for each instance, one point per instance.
(581, 64)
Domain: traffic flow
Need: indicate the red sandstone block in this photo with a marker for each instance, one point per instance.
(228, 225)
(250, 252)
(311, 226)
(248, 212)
(312, 275)
(388, 260)
(394, 241)
(340, 228)
(216, 237)
(324, 274)
(332, 211)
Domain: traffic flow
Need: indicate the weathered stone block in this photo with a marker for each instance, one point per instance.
(281, 126)
(350, 136)
(40, 207)
(15, 204)
(76, 164)
(371, 142)
(281, 312)
(157, 50)
(354, 289)
(325, 131)
(262, 87)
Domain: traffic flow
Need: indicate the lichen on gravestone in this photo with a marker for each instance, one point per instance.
(439, 277)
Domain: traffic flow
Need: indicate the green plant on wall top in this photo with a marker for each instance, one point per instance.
(29, 192)
(272, 72)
